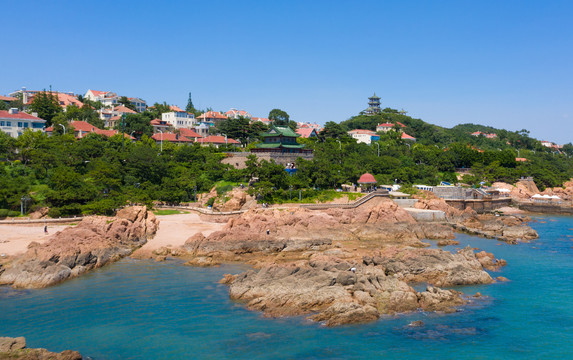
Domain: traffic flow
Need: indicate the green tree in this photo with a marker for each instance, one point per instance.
(279, 117)
(332, 130)
(46, 105)
(127, 103)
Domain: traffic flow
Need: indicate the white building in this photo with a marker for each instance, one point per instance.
(140, 105)
(14, 122)
(179, 119)
(364, 136)
(110, 100)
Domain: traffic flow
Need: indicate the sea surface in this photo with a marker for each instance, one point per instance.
(146, 310)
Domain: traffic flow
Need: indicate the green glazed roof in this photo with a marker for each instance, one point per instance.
(281, 130)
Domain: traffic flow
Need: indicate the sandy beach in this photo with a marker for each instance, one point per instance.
(14, 239)
(174, 230)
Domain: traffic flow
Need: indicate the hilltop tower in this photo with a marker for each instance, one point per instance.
(373, 105)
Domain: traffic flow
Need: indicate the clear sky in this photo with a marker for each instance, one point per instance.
(502, 63)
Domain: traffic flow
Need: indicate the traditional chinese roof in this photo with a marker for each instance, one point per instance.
(280, 131)
(279, 145)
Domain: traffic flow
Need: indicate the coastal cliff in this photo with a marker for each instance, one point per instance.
(339, 266)
(93, 243)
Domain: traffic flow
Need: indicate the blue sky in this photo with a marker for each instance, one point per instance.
(502, 63)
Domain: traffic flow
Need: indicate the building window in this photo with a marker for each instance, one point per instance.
(8, 123)
(26, 124)
(19, 124)
(1, 123)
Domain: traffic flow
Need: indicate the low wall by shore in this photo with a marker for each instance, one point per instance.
(405, 203)
(19, 221)
(479, 205)
(424, 215)
(545, 208)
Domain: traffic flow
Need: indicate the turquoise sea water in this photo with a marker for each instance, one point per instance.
(146, 310)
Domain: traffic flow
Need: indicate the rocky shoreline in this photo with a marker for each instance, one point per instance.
(350, 266)
(93, 243)
(336, 266)
(15, 348)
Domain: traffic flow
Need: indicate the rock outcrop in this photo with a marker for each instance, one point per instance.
(93, 243)
(334, 291)
(15, 348)
(337, 266)
(510, 229)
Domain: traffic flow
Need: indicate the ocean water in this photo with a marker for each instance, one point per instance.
(147, 310)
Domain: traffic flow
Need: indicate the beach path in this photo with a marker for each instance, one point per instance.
(174, 230)
(14, 239)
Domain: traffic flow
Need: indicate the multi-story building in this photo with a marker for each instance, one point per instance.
(235, 114)
(212, 118)
(179, 119)
(14, 122)
(140, 105)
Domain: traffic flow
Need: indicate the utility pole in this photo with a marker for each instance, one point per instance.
(123, 132)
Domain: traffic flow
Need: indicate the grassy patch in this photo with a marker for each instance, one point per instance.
(170, 212)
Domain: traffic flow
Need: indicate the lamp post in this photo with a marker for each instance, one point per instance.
(225, 138)
(195, 193)
(23, 202)
(378, 148)
(161, 140)
(339, 145)
(131, 135)
(63, 128)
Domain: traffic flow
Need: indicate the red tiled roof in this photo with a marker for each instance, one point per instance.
(7, 98)
(367, 179)
(212, 115)
(386, 125)
(83, 126)
(4, 114)
(399, 123)
(263, 120)
(110, 133)
(157, 122)
(176, 108)
(170, 137)
(521, 159)
(407, 137)
(362, 131)
(305, 132)
(65, 100)
(217, 139)
(189, 133)
(98, 93)
(123, 109)
(114, 118)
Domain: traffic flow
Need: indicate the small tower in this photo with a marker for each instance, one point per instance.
(373, 105)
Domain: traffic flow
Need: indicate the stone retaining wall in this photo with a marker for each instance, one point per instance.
(238, 159)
